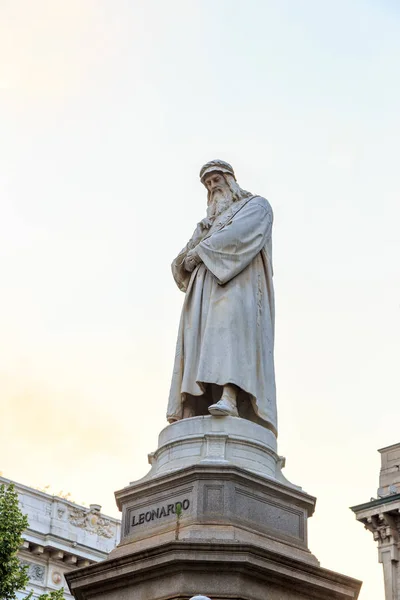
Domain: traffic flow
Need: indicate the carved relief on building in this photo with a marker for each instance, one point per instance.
(92, 521)
(382, 534)
(384, 527)
(36, 572)
(56, 577)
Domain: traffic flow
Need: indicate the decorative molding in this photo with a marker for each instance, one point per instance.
(216, 446)
(277, 516)
(91, 521)
(214, 499)
(36, 572)
(56, 577)
(384, 527)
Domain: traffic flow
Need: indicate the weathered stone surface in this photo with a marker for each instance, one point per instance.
(225, 571)
(219, 518)
(218, 502)
(224, 360)
(389, 476)
(211, 440)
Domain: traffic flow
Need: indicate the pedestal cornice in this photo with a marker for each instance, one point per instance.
(188, 562)
(208, 471)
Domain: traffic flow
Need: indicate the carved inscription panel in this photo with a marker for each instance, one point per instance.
(269, 514)
(156, 513)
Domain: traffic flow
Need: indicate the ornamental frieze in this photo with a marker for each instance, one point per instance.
(92, 521)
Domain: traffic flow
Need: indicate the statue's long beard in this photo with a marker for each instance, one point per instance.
(220, 201)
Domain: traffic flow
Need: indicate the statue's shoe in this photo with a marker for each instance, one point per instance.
(173, 420)
(223, 408)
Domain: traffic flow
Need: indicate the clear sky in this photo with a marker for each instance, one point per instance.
(108, 109)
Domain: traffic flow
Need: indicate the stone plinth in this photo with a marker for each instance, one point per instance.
(213, 514)
(210, 440)
(216, 502)
(225, 571)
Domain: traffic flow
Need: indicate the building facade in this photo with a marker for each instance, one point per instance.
(61, 537)
(381, 516)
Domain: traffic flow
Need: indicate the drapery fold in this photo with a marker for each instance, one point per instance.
(226, 332)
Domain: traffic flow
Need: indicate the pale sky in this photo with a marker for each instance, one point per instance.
(108, 109)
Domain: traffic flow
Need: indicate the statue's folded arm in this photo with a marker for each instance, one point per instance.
(231, 249)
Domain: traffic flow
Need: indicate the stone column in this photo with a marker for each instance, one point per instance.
(381, 516)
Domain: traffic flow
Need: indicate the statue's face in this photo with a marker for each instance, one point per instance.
(219, 194)
(215, 182)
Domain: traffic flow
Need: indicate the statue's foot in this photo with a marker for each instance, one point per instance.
(223, 408)
(172, 420)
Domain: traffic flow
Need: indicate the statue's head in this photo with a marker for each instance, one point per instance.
(219, 179)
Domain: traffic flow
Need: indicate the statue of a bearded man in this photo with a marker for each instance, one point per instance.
(224, 363)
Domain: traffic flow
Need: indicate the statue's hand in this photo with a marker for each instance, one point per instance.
(205, 223)
(189, 264)
(201, 229)
(191, 261)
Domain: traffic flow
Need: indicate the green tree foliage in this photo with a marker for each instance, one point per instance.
(54, 595)
(13, 575)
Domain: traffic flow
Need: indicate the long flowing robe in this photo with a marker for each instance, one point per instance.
(226, 332)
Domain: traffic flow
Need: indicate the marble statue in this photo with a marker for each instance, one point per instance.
(224, 363)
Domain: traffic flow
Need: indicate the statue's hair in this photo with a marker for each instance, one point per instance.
(237, 192)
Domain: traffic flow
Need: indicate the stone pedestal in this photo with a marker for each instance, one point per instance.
(214, 516)
(211, 440)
